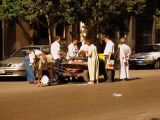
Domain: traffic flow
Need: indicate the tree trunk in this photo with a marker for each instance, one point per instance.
(75, 30)
(68, 37)
(91, 30)
(132, 34)
(154, 31)
(49, 30)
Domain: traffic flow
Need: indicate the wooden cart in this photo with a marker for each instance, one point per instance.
(75, 69)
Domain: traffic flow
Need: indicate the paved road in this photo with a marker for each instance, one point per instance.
(139, 100)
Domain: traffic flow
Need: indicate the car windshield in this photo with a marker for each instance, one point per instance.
(22, 52)
(152, 48)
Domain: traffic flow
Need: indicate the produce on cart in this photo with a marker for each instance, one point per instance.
(76, 67)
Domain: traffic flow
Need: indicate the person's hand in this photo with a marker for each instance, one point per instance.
(119, 45)
(86, 52)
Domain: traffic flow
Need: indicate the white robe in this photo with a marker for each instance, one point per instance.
(125, 51)
(93, 63)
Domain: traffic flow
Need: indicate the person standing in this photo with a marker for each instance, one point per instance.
(72, 49)
(124, 53)
(28, 63)
(84, 47)
(109, 59)
(93, 62)
(55, 52)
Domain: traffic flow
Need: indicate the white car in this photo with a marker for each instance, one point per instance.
(14, 65)
(150, 57)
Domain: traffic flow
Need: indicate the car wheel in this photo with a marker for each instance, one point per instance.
(157, 64)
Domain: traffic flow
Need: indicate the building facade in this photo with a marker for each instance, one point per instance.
(139, 31)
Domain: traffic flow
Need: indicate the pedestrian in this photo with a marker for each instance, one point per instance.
(93, 62)
(72, 49)
(56, 54)
(28, 62)
(84, 47)
(109, 59)
(124, 53)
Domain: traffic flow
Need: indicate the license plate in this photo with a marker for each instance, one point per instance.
(2, 71)
(139, 62)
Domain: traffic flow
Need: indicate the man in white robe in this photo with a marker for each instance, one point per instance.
(93, 62)
(124, 53)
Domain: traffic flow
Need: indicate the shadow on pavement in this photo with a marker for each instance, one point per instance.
(141, 68)
(12, 79)
(129, 79)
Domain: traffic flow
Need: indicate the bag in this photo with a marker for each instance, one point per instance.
(110, 64)
(45, 80)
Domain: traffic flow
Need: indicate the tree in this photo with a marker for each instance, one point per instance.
(157, 18)
(97, 14)
(117, 11)
(31, 10)
(101, 13)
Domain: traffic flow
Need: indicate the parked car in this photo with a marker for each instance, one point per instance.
(14, 65)
(149, 57)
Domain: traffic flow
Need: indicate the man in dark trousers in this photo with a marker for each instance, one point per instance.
(109, 59)
(55, 52)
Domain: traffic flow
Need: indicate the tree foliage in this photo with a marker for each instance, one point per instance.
(29, 10)
(157, 18)
(100, 13)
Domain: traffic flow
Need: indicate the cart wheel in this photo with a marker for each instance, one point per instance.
(85, 75)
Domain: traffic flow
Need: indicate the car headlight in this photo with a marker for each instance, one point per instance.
(149, 57)
(17, 65)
